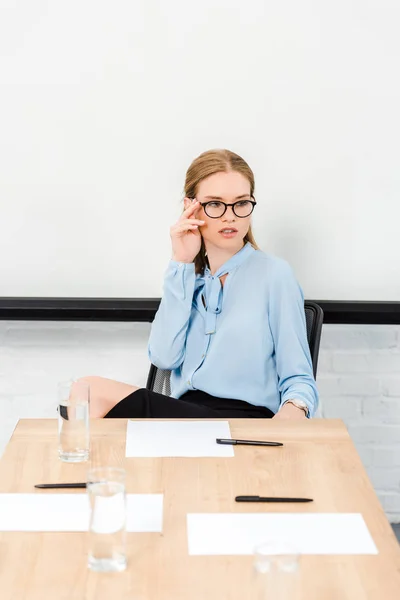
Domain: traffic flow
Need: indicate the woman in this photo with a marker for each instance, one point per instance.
(231, 323)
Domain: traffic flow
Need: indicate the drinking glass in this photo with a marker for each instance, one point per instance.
(73, 421)
(276, 571)
(107, 527)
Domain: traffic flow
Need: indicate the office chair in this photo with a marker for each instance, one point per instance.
(158, 380)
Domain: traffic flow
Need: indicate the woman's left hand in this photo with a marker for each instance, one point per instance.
(290, 411)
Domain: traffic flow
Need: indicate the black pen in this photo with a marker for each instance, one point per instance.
(247, 442)
(60, 485)
(264, 499)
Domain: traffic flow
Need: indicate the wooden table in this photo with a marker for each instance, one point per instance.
(318, 460)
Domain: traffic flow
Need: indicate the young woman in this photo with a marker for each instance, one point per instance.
(231, 323)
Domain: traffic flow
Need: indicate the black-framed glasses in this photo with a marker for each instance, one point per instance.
(216, 208)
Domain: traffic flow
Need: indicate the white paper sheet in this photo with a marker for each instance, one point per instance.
(53, 511)
(316, 533)
(177, 438)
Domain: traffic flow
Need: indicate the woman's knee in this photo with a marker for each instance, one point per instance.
(95, 384)
(104, 386)
(106, 393)
(90, 378)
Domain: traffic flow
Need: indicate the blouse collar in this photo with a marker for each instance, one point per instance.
(233, 262)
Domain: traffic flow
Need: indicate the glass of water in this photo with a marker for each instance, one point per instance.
(107, 527)
(73, 421)
(276, 571)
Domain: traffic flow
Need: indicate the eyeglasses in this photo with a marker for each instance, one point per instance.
(216, 208)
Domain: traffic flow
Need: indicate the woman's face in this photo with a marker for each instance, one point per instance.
(225, 187)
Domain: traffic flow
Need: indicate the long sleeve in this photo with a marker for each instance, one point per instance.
(288, 328)
(166, 346)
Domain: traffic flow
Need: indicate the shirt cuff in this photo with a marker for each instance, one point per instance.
(182, 265)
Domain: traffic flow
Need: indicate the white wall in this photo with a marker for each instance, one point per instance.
(103, 105)
(358, 380)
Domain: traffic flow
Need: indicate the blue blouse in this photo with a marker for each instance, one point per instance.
(246, 340)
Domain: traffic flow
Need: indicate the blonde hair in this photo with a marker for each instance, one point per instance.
(208, 163)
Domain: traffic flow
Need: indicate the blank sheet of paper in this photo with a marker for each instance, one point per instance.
(317, 533)
(177, 438)
(70, 512)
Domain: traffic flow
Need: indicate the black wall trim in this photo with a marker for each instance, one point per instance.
(144, 309)
(360, 313)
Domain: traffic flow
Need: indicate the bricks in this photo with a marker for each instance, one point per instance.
(345, 362)
(391, 386)
(30, 406)
(393, 518)
(324, 361)
(36, 338)
(380, 458)
(384, 363)
(359, 337)
(382, 337)
(360, 385)
(366, 362)
(384, 478)
(39, 334)
(382, 410)
(342, 407)
(376, 433)
(384, 456)
(390, 501)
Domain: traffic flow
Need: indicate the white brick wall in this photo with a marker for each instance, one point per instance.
(358, 379)
(359, 382)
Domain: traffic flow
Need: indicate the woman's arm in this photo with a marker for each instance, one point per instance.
(166, 346)
(289, 332)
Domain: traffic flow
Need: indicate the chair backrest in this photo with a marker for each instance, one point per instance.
(314, 320)
(158, 380)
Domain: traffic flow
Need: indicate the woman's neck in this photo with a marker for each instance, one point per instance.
(219, 256)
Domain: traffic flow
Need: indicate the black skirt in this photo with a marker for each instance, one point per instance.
(194, 404)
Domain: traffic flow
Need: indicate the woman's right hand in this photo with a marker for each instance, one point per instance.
(185, 235)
